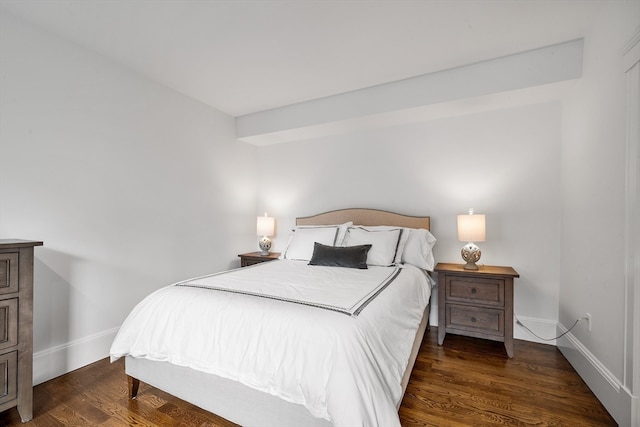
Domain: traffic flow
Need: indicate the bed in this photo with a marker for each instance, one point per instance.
(326, 358)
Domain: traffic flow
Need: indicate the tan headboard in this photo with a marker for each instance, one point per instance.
(366, 217)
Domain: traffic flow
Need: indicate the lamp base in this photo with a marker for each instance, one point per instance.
(264, 244)
(471, 254)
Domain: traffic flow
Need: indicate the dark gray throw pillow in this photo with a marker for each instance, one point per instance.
(336, 256)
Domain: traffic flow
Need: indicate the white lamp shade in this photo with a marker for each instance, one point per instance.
(265, 226)
(471, 228)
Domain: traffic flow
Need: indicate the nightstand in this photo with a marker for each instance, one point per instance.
(476, 303)
(255, 258)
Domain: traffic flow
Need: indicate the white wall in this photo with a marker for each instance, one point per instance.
(593, 209)
(504, 163)
(130, 185)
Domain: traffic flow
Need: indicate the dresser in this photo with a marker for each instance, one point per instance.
(476, 303)
(16, 325)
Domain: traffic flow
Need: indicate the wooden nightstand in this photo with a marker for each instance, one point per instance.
(476, 303)
(251, 258)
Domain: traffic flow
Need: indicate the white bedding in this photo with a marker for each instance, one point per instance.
(344, 368)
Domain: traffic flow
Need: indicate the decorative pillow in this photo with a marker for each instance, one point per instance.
(384, 243)
(418, 249)
(340, 256)
(300, 246)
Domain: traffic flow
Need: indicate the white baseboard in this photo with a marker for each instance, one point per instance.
(59, 360)
(544, 328)
(602, 382)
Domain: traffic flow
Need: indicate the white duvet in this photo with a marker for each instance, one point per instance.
(343, 367)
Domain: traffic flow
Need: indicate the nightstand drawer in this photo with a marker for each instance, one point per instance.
(8, 273)
(484, 291)
(8, 376)
(252, 258)
(248, 262)
(484, 320)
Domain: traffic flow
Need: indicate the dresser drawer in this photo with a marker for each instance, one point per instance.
(484, 291)
(475, 319)
(8, 377)
(8, 323)
(8, 272)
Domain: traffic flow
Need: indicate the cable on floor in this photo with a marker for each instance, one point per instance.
(549, 339)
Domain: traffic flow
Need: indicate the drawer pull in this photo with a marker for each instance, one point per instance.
(474, 290)
(473, 319)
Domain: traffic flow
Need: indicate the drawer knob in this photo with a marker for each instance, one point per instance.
(474, 290)
(473, 319)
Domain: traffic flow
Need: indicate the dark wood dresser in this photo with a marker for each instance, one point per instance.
(476, 303)
(16, 325)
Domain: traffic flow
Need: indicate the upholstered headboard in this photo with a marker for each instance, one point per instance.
(368, 217)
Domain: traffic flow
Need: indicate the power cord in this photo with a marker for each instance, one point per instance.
(549, 339)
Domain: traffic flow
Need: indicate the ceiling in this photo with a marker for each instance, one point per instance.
(246, 56)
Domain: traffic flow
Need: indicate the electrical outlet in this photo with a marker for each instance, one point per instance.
(588, 317)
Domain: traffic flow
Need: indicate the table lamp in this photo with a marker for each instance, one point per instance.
(265, 227)
(471, 228)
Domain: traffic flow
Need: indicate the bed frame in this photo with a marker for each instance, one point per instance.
(244, 405)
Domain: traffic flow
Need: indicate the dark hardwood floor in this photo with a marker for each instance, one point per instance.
(465, 382)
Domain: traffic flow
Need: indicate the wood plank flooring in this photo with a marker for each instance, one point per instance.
(465, 382)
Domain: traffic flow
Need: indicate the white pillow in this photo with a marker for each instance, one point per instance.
(418, 249)
(403, 237)
(342, 233)
(384, 243)
(301, 242)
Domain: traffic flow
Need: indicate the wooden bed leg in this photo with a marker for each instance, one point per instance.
(134, 385)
